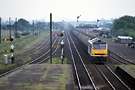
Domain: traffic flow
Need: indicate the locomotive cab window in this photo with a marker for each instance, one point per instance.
(99, 46)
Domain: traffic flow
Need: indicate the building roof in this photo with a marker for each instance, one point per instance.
(124, 37)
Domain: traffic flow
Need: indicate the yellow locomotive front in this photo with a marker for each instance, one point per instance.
(98, 49)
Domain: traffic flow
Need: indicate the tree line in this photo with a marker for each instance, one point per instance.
(23, 25)
(124, 25)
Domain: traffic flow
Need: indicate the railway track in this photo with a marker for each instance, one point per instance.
(36, 47)
(118, 59)
(38, 60)
(102, 75)
(115, 82)
(97, 78)
(39, 46)
(48, 53)
(115, 58)
(34, 52)
(44, 56)
(84, 80)
(41, 49)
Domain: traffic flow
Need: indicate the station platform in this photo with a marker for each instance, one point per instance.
(127, 74)
(39, 77)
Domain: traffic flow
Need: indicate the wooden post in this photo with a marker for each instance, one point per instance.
(51, 38)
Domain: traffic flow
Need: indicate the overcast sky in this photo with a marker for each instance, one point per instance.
(66, 9)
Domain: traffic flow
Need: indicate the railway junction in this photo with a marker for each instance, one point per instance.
(75, 72)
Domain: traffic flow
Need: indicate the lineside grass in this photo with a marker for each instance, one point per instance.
(57, 60)
(21, 44)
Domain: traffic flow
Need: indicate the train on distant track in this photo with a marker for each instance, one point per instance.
(98, 50)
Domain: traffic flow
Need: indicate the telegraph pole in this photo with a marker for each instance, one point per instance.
(15, 27)
(33, 25)
(9, 28)
(36, 28)
(0, 29)
(50, 37)
(98, 23)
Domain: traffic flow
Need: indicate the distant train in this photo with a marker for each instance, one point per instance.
(98, 50)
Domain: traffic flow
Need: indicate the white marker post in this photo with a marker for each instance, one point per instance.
(12, 53)
(6, 59)
(12, 48)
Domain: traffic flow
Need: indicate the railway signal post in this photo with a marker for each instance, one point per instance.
(12, 53)
(62, 51)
